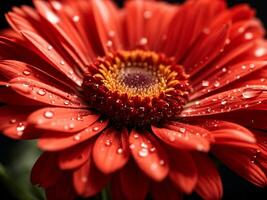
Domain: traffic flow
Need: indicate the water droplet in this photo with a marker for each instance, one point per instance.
(77, 137)
(12, 121)
(21, 127)
(216, 84)
(49, 48)
(96, 128)
(51, 17)
(224, 102)
(205, 83)
(71, 126)
(111, 33)
(62, 62)
(108, 143)
(143, 152)
(172, 138)
(84, 179)
(200, 147)
(136, 136)
(26, 72)
(250, 93)
(224, 69)
(109, 43)
(41, 92)
(260, 52)
(132, 146)
(76, 18)
(243, 66)
(67, 102)
(248, 36)
(57, 5)
(143, 41)
(144, 145)
(120, 151)
(48, 114)
(182, 130)
(147, 14)
(162, 162)
(152, 149)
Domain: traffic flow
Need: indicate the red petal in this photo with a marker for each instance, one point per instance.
(52, 56)
(243, 162)
(226, 132)
(228, 101)
(134, 183)
(106, 17)
(63, 189)
(165, 190)
(45, 94)
(184, 136)
(62, 119)
(235, 72)
(111, 150)
(149, 155)
(189, 22)
(74, 157)
(183, 171)
(56, 143)
(45, 171)
(13, 121)
(88, 181)
(209, 185)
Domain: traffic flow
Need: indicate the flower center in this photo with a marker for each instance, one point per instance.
(136, 88)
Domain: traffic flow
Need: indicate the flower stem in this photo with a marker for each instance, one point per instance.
(104, 194)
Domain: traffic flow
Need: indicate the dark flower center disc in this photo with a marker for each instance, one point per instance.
(136, 88)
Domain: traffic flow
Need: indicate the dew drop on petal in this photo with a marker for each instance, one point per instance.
(12, 121)
(109, 43)
(108, 143)
(143, 41)
(152, 149)
(26, 72)
(248, 36)
(49, 48)
(144, 145)
(200, 147)
(20, 127)
(143, 153)
(76, 18)
(136, 136)
(62, 62)
(172, 138)
(96, 128)
(84, 179)
(41, 92)
(223, 102)
(205, 83)
(216, 84)
(67, 102)
(48, 114)
(182, 130)
(224, 69)
(119, 151)
(250, 93)
(147, 14)
(162, 162)
(260, 52)
(77, 137)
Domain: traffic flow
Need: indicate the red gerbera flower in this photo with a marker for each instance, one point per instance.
(136, 97)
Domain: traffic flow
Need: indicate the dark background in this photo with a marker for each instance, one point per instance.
(234, 186)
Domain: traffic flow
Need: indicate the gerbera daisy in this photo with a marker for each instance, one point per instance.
(140, 99)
